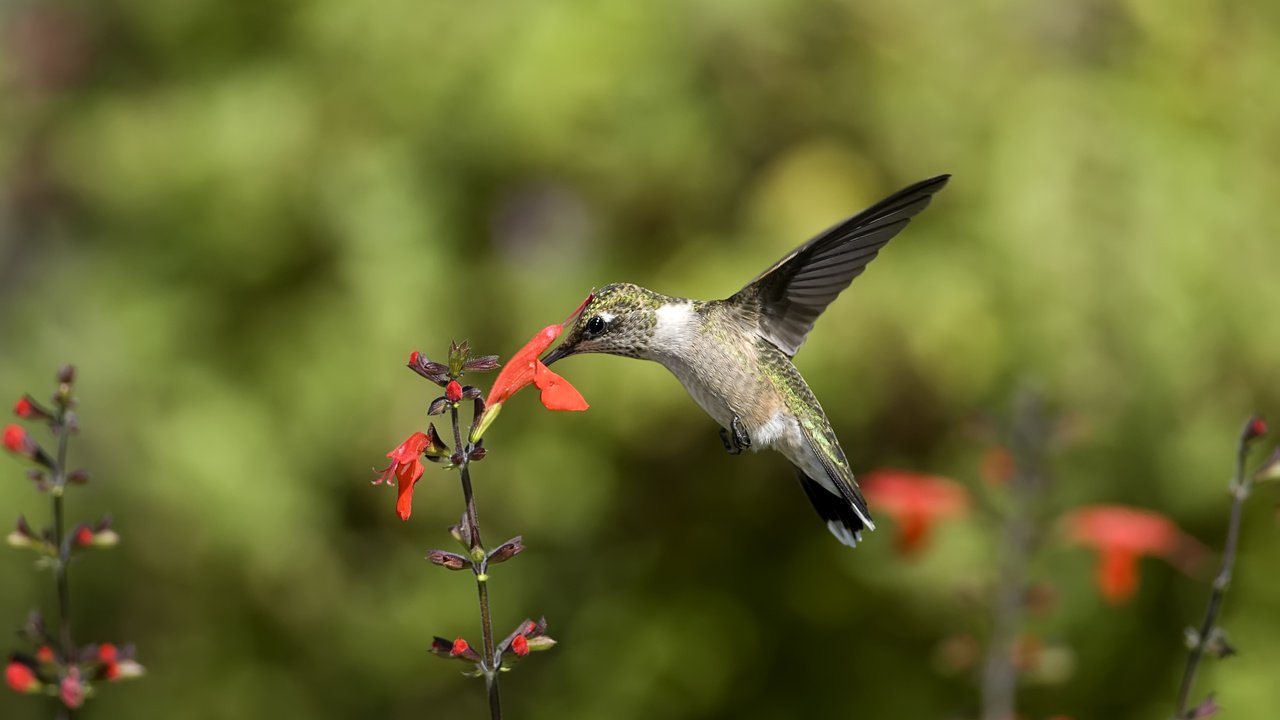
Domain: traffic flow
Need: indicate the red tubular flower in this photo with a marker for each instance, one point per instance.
(524, 368)
(520, 645)
(1122, 535)
(21, 678)
(453, 391)
(915, 502)
(406, 466)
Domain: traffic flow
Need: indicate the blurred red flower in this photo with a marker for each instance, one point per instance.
(915, 501)
(1121, 535)
(109, 656)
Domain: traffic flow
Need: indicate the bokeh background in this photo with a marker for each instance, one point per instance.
(238, 217)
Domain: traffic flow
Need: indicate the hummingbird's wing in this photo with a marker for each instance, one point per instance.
(793, 293)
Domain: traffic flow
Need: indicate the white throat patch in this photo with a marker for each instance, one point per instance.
(674, 322)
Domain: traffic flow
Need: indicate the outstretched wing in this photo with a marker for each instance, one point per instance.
(793, 293)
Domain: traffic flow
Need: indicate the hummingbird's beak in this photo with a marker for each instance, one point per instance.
(556, 353)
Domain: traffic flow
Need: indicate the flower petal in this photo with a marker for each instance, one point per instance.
(519, 370)
(557, 393)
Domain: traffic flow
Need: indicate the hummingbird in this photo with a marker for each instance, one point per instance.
(734, 356)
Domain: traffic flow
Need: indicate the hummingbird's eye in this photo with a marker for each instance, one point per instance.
(595, 325)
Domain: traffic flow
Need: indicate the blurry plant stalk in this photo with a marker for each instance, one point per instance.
(66, 672)
(1209, 638)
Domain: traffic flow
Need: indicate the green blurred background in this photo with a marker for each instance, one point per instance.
(237, 218)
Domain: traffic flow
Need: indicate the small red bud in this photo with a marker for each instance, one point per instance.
(21, 678)
(413, 357)
(520, 645)
(84, 537)
(23, 408)
(45, 654)
(459, 646)
(453, 391)
(1258, 427)
(16, 440)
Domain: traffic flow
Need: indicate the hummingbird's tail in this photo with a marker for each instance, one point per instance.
(843, 517)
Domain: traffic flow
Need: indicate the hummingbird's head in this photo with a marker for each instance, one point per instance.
(618, 320)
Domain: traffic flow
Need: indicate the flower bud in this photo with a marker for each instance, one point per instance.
(483, 363)
(453, 391)
(29, 409)
(520, 645)
(507, 550)
(1255, 428)
(448, 560)
(433, 371)
(19, 676)
(458, 356)
(23, 536)
(540, 643)
(438, 406)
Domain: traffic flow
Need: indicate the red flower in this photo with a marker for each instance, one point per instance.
(84, 537)
(460, 646)
(45, 654)
(109, 657)
(914, 501)
(21, 678)
(17, 440)
(1122, 535)
(520, 645)
(453, 391)
(525, 368)
(406, 465)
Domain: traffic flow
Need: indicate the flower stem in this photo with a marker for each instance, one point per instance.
(480, 569)
(1029, 436)
(64, 548)
(1240, 486)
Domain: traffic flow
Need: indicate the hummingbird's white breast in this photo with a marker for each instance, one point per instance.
(719, 372)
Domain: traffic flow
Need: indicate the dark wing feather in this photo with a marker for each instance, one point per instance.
(793, 293)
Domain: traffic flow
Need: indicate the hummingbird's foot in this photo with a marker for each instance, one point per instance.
(729, 445)
(740, 437)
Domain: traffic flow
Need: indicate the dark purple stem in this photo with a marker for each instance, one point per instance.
(479, 567)
(1240, 486)
(64, 548)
